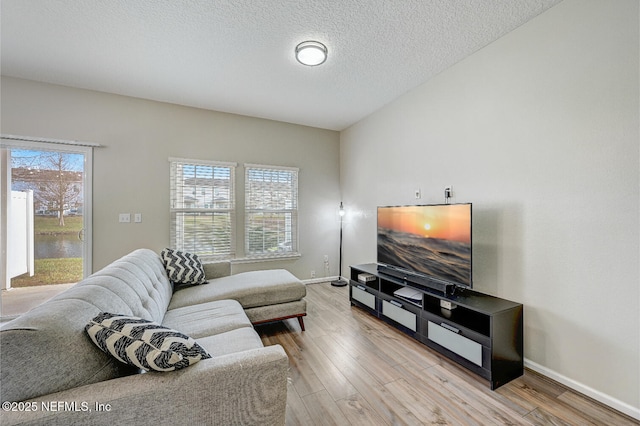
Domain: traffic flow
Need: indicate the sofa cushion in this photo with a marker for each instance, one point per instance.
(230, 342)
(221, 268)
(136, 284)
(206, 319)
(143, 343)
(183, 268)
(251, 289)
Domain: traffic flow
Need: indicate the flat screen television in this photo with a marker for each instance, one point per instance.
(429, 241)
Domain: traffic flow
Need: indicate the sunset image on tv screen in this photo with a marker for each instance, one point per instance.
(448, 222)
(432, 240)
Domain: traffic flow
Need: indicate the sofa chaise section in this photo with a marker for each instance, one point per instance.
(268, 295)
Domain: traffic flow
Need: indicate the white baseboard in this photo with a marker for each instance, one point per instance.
(320, 280)
(608, 400)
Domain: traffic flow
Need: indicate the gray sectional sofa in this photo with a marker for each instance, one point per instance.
(53, 374)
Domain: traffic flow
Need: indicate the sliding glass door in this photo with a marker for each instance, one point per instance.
(46, 215)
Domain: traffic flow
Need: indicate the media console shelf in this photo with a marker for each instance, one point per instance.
(482, 333)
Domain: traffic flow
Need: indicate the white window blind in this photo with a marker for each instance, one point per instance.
(203, 208)
(271, 211)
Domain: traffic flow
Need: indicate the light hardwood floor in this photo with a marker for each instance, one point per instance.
(350, 368)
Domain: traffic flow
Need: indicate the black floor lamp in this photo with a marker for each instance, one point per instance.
(339, 282)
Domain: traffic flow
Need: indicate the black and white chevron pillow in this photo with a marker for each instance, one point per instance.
(143, 343)
(183, 267)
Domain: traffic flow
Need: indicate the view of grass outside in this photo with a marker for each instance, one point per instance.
(267, 233)
(52, 241)
(206, 234)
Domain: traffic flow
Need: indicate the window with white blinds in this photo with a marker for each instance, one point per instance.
(271, 211)
(202, 197)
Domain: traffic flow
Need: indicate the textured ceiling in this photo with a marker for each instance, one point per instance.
(237, 55)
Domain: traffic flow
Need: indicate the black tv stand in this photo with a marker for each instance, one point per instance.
(482, 333)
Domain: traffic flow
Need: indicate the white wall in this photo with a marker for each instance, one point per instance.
(540, 130)
(131, 171)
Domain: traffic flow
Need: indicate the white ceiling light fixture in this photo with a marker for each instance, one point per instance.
(311, 53)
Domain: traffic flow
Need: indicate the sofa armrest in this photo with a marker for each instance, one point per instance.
(217, 269)
(248, 388)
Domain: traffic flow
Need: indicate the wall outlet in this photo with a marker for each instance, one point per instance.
(326, 258)
(313, 274)
(417, 194)
(124, 218)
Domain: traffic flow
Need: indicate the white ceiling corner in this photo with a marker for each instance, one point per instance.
(237, 55)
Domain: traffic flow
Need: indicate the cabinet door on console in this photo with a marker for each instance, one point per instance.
(450, 339)
(362, 296)
(395, 312)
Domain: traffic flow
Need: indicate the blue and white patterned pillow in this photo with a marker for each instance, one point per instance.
(143, 343)
(183, 267)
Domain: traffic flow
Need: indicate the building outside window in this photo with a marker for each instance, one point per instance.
(202, 196)
(271, 211)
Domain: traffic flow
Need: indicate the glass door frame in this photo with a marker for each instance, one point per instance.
(87, 182)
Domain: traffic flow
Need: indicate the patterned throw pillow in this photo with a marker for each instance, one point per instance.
(183, 267)
(144, 344)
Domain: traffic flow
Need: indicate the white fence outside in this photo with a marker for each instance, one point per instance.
(20, 253)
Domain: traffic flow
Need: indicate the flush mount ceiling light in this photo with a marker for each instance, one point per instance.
(311, 53)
